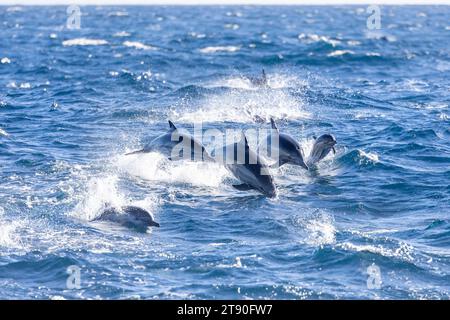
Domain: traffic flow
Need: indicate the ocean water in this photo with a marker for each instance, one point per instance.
(372, 222)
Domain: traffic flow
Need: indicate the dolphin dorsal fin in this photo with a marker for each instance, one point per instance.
(172, 126)
(244, 139)
(274, 125)
(264, 77)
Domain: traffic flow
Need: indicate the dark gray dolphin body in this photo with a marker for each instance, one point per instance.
(259, 82)
(288, 149)
(249, 168)
(174, 143)
(322, 146)
(128, 216)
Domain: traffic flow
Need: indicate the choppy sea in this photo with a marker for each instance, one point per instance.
(372, 222)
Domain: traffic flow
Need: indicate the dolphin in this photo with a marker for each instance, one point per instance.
(173, 144)
(259, 82)
(128, 216)
(249, 168)
(321, 148)
(289, 150)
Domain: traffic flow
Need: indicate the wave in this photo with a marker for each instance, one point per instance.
(5, 60)
(138, 45)
(215, 49)
(338, 53)
(84, 42)
(312, 38)
(121, 34)
(3, 133)
(360, 158)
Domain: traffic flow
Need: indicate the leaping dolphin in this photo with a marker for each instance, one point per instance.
(288, 149)
(249, 168)
(322, 146)
(174, 144)
(128, 216)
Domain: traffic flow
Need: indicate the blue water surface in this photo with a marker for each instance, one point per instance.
(73, 101)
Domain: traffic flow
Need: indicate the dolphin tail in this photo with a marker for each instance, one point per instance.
(274, 125)
(135, 152)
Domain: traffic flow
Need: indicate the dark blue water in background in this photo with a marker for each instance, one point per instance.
(72, 102)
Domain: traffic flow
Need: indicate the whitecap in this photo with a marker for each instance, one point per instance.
(5, 60)
(3, 133)
(84, 42)
(338, 53)
(353, 43)
(404, 251)
(138, 45)
(311, 38)
(220, 49)
(121, 34)
(371, 156)
(236, 264)
(197, 35)
(118, 14)
(233, 26)
(24, 85)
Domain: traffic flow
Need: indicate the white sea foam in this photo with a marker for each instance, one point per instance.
(368, 156)
(338, 53)
(24, 85)
(274, 81)
(233, 26)
(311, 38)
(316, 228)
(3, 133)
(239, 106)
(84, 42)
(121, 34)
(118, 14)
(5, 60)
(10, 232)
(138, 45)
(98, 192)
(220, 49)
(14, 9)
(155, 167)
(403, 251)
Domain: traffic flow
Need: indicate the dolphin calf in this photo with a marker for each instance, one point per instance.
(176, 145)
(288, 149)
(322, 146)
(249, 168)
(128, 216)
(259, 82)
